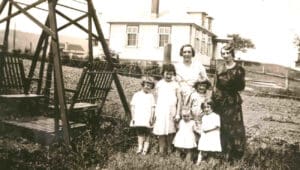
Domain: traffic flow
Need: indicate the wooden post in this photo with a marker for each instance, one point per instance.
(287, 80)
(2, 5)
(90, 39)
(108, 58)
(5, 41)
(58, 75)
(167, 54)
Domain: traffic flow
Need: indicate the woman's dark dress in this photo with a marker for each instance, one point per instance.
(228, 104)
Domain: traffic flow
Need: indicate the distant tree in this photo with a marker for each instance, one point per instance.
(297, 41)
(240, 43)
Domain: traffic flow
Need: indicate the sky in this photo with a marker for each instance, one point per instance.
(270, 24)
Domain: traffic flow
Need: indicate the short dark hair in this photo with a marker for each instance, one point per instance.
(151, 83)
(211, 103)
(168, 67)
(187, 45)
(205, 82)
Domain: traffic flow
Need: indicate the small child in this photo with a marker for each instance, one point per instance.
(197, 97)
(142, 110)
(185, 139)
(210, 141)
(167, 108)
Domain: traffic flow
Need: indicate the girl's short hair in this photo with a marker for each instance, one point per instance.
(187, 45)
(148, 80)
(210, 103)
(169, 68)
(205, 82)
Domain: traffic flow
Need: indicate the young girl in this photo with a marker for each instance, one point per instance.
(142, 110)
(185, 139)
(197, 97)
(167, 108)
(210, 141)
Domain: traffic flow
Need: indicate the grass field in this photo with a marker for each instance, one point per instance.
(272, 129)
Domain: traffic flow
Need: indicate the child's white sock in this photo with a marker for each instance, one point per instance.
(146, 147)
(199, 158)
(140, 144)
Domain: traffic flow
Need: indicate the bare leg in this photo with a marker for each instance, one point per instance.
(170, 138)
(140, 144)
(162, 144)
(146, 144)
(199, 158)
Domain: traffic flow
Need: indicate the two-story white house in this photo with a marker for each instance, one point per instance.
(144, 37)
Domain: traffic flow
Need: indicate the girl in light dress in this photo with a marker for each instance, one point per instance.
(185, 139)
(196, 98)
(210, 141)
(142, 110)
(167, 108)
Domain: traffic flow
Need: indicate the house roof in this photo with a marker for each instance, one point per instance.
(163, 18)
(74, 47)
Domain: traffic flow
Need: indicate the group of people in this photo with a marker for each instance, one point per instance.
(182, 114)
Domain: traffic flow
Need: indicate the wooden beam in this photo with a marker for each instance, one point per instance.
(2, 5)
(49, 31)
(38, 49)
(70, 20)
(42, 66)
(5, 40)
(108, 58)
(90, 22)
(58, 75)
(73, 22)
(19, 12)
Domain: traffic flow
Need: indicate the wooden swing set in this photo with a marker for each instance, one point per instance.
(95, 81)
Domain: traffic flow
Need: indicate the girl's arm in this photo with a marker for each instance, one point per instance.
(132, 113)
(211, 129)
(152, 118)
(196, 127)
(179, 103)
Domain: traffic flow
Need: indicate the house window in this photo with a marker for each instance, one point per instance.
(197, 41)
(164, 35)
(209, 47)
(203, 44)
(132, 35)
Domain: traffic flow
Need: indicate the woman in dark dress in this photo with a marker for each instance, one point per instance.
(230, 79)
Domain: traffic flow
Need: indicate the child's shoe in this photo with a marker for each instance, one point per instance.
(139, 150)
(146, 147)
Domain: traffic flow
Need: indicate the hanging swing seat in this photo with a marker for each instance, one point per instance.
(90, 93)
(13, 83)
(14, 86)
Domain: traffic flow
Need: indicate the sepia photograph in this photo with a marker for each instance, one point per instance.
(150, 84)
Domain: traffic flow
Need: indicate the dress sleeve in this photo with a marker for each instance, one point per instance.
(202, 73)
(232, 80)
(239, 79)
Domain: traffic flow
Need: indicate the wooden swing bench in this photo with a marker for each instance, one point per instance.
(14, 86)
(91, 91)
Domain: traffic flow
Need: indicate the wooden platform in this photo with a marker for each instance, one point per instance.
(38, 129)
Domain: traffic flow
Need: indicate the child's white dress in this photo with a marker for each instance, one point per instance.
(194, 101)
(143, 104)
(185, 137)
(165, 109)
(210, 141)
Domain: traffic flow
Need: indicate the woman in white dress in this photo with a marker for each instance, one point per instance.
(167, 108)
(189, 71)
